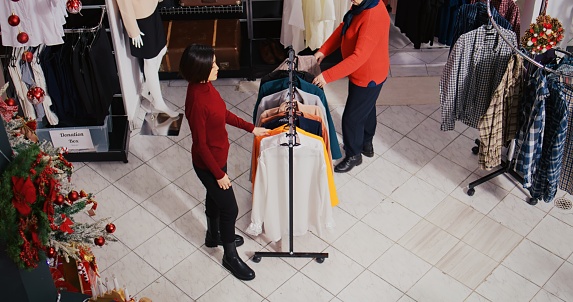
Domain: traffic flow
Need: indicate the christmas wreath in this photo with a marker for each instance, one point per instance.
(542, 35)
(37, 202)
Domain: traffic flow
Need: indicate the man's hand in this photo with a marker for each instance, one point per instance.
(138, 41)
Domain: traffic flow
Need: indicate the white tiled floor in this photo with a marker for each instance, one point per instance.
(406, 229)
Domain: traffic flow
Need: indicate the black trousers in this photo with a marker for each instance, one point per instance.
(220, 204)
(359, 117)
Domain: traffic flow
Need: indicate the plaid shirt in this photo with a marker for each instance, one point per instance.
(472, 16)
(492, 125)
(530, 138)
(566, 177)
(546, 179)
(472, 73)
(509, 10)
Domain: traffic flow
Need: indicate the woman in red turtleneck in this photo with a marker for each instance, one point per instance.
(207, 115)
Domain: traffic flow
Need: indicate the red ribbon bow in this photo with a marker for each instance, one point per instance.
(66, 225)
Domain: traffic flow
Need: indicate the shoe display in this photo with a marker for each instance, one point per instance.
(368, 150)
(266, 51)
(213, 235)
(348, 163)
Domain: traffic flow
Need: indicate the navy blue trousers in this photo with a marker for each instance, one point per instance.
(359, 117)
(220, 204)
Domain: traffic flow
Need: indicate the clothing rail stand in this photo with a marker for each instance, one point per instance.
(291, 144)
(508, 165)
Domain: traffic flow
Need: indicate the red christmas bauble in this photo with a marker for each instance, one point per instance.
(110, 228)
(28, 56)
(30, 94)
(73, 196)
(22, 37)
(10, 102)
(73, 6)
(60, 199)
(51, 252)
(99, 241)
(14, 20)
(39, 92)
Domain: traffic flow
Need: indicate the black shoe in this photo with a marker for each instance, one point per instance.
(368, 150)
(213, 236)
(348, 163)
(235, 265)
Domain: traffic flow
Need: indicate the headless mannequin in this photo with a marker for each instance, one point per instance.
(149, 45)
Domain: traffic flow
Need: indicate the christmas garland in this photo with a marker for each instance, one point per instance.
(37, 203)
(542, 35)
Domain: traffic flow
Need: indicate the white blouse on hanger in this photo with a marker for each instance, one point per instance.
(42, 20)
(311, 196)
(292, 28)
(319, 18)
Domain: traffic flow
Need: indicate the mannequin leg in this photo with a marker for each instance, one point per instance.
(151, 88)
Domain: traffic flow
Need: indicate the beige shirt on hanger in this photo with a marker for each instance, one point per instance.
(131, 10)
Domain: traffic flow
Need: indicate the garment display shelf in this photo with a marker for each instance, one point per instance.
(291, 143)
(214, 9)
(508, 166)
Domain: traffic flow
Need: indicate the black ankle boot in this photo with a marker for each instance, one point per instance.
(213, 236)
(368, 150)
(234, 264)
(348, 163)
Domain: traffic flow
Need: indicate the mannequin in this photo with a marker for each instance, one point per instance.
(143, 25)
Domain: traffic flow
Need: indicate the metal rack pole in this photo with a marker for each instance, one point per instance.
(291, 144)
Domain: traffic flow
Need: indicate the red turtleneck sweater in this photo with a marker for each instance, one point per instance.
(207, 115)
(364, 48)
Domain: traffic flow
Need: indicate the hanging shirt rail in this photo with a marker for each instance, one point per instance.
(89, 29)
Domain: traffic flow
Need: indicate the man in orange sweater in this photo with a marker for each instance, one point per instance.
(363, 41)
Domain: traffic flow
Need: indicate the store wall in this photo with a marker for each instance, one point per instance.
(560, 9)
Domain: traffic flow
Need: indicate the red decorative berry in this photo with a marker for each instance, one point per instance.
(10, 102)
(14, 20)
(27, 56)
(73, 196)
(99, 241)
(83, 194)
(51, 252)
(110, 228)
(23, 37)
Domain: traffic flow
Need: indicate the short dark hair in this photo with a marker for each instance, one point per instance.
(196, 63)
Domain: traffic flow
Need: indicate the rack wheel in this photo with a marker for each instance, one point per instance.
(256, 259)
(320, 260)
(477, 141)
(532, 201)
(471, 191)
(475, 150)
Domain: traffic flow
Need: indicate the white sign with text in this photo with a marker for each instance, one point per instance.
(76, 139)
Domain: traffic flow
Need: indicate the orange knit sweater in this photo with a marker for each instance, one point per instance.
(364, 48)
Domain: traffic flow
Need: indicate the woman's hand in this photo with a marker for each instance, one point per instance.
(225, 182)
(319, 56)
(258, 131)
(319, 81)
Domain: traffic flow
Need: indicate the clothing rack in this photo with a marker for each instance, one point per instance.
(291, 143)
(90, 29)
(508, 165)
